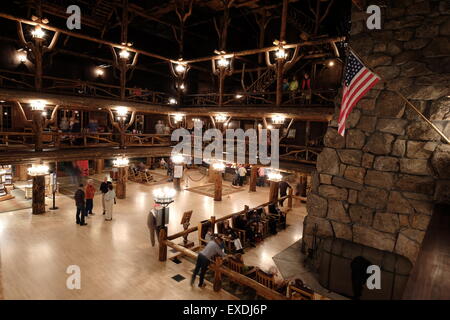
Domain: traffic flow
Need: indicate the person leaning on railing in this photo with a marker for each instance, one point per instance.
(204, 258)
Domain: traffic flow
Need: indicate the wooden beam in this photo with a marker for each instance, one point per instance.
(273, 48)
(82, 36)
(27, 157)
(82, 102)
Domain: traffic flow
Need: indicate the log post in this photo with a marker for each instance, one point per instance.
(217, 275)
(210, 174)
(162, 244)
(253, 177)
(37, 126)
(38, 205)
(273, 193)
(149, 162)
(213, 223)
(121, 187)
(281, 62)
(217, 185)
(291, 193)
(99, 165)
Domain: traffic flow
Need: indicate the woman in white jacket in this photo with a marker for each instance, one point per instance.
(110, 199)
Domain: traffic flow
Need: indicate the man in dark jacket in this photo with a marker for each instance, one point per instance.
(283, 190)
(80, 203)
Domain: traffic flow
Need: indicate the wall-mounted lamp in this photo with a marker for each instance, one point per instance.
(38, 33)
(124, 54)
(38, 105)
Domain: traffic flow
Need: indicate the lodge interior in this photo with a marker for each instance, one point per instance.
(78, 105)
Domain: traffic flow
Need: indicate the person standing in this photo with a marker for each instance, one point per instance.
(90, 193)
(104, 189)
(212, 249)
(283, 190)
(159, 127)
(242, 173)
(80, 203)
(110, 200)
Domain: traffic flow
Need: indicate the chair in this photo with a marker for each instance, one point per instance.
(296, 293)
(239, 267)
(132, 174)
(241, 232)
(265, 279)
(203, 227)
(227, 240)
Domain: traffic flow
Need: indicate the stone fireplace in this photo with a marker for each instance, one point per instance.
(378, 185)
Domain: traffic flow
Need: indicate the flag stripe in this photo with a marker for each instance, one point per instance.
(362, 90)
(358, 80)
(361, 74)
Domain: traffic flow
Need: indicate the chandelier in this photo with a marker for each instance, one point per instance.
(38, 170)
(121, 162)
(38, 105)
(164, 195)
(221, 118)
(177, 158)
(274, 176)
(218, 166)
(278, 119)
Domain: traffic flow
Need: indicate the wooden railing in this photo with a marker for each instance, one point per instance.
(304, 154)
(319, 97)
(68, 140)
(22, 80)
(219, 269)
(141, 140)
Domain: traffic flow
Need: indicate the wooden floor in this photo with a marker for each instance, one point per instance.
(430, 278)
(116, 258)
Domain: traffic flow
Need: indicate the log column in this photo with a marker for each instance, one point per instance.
(121, 187)
(217, 185)
(99, 165)
(253, 178)
(162, 244)
(37, 130)
(273, 193)
(38, 195)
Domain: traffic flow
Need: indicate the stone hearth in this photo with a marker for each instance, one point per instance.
(377, 186)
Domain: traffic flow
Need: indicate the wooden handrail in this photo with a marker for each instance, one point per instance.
(261, 290)
(193, 229)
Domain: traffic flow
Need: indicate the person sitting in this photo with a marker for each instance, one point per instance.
(141, 166)
(280, 285)
(232, 234)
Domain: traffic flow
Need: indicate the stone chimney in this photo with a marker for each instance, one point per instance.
(377, 186)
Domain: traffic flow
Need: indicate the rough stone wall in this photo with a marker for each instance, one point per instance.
(377, 185)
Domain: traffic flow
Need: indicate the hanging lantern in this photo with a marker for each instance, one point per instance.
(121, 162)
(38, 170)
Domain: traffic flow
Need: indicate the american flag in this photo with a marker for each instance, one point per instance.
(358, 80)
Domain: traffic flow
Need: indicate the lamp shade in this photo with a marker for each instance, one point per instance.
(38, 170)
(164, 195)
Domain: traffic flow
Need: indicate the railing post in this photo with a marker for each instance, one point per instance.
(162, 244)
(217, 275)
(213, 223)
(291, 193)
(273, 193)
(253, 178)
